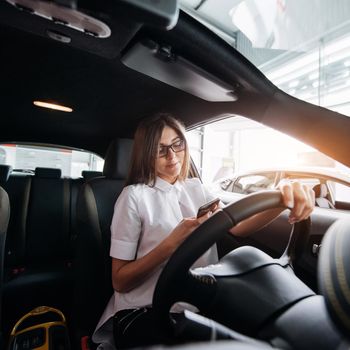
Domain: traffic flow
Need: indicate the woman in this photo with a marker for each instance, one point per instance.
(155, 212)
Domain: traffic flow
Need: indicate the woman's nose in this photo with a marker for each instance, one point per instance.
(171, 153)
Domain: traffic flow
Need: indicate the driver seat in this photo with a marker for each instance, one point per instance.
(95, 206)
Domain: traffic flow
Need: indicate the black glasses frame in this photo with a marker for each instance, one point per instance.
(183, 146)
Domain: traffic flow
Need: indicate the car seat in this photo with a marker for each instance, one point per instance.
(321, 196)
(90, 174)
(4, 220)
(39, 244)
(95, 208)
(5, 171)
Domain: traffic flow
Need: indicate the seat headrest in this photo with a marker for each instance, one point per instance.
(5, 171)
(90, 174)
(48, 173)
(320, 191)
(117, 159)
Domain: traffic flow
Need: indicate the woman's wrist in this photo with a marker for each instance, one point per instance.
(168, 247)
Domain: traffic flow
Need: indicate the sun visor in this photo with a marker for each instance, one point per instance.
(161, 63)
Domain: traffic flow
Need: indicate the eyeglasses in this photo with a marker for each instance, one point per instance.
(176, 147)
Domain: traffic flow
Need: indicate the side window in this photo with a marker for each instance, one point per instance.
(236, 153)
(71, 162)
(339, 191)
(2, 156)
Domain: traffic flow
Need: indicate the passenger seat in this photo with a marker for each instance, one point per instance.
(5, 171)
(321, 197)
(4, 220)
(90, 174)
(39, 246)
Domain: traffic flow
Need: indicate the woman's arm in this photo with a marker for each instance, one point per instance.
(300, 199)
(126, 274)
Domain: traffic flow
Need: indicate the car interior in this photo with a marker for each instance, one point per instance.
(267, 179)
(115, 63)
(322, 196)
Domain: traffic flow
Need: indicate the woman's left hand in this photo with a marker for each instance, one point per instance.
(299, 198)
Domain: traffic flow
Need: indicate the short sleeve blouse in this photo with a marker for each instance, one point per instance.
(143, 217)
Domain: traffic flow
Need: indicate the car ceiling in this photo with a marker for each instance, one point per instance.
(109, 98)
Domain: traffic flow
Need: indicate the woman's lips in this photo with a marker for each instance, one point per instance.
(172, 165)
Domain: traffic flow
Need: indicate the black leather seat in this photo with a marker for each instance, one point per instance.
(90, 174)
(5, 171)
(39, 244)
(4, 220)
(93, 264)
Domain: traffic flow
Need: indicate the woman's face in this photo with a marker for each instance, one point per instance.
(168, 162)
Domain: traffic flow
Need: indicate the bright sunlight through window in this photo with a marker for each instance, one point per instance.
(236, 145)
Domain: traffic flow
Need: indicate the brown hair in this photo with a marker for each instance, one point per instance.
(145, 148)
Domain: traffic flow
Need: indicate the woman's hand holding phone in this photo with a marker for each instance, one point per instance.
(188, 225)
(210, 206)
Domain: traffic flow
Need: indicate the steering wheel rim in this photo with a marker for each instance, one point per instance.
(175, 273)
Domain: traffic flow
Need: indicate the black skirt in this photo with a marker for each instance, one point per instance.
(139, 327)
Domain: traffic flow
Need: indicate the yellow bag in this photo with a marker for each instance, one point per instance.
(43, 328)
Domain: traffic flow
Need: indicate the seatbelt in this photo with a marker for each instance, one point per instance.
(67, 212)
(85, 343)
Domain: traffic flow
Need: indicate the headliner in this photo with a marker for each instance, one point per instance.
(109, 98)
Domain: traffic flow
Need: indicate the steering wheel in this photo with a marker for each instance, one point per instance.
(178, 283)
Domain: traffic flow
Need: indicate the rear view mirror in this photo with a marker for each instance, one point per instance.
(158, 13)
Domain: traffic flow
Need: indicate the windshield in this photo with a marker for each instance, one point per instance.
(303, 47)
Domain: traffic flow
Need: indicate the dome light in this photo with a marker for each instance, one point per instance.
(53, 106)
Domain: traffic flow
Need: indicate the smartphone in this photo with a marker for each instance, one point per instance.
(210, 206)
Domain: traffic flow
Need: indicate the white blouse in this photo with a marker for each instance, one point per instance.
(143, 217)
